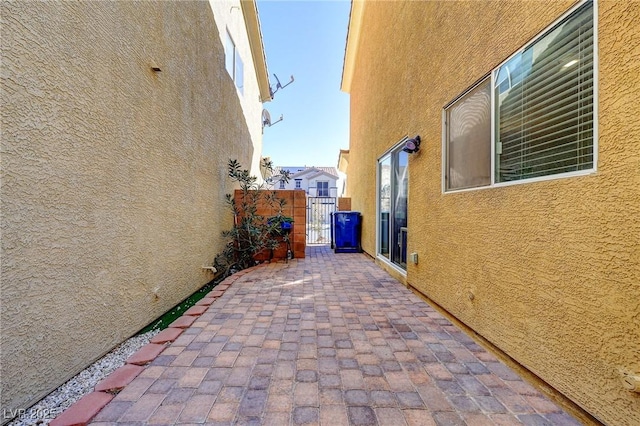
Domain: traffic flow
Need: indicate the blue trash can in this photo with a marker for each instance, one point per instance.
(346, 232)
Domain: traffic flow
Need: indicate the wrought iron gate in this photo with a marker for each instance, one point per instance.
(319, 210)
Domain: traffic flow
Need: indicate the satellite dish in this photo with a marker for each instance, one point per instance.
(279, 85)
(266, 118)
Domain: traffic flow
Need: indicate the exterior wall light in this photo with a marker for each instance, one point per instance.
(412, 145)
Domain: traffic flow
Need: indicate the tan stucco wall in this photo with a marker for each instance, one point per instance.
(228, 17)
(553, 267)
(113, 176)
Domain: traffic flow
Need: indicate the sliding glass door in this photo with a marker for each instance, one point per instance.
(393, 180)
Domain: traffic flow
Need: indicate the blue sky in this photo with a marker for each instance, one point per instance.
(306, 39)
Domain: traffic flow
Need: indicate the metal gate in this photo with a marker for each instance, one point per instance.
(319, 210)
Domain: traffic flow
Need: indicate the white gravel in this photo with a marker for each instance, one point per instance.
(83, 383)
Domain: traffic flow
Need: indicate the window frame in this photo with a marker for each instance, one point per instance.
(318, 189)
(486, 79)
(232, 58)
(389, 154)
(492, 75)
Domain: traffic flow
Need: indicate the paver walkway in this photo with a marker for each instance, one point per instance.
(333, 340)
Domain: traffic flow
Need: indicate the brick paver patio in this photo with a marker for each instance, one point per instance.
(331, 339)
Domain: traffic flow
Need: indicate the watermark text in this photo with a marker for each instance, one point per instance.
(34, 413)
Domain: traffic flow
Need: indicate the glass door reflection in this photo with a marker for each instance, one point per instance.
(393, 181)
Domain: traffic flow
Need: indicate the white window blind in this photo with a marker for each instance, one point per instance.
(468, 139)
(544, 103)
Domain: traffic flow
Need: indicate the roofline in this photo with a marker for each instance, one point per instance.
(305, 171)
(351, 48)
(343, 160)
(315, 172)
(252, 22)
(321, 172)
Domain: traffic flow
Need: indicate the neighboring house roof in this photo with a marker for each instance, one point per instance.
(299, 172)
(291, 170)
(252, 22)
(321, 173)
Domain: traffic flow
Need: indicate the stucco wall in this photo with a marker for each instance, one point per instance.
(228, 17)
(113, 176)
(552, 268)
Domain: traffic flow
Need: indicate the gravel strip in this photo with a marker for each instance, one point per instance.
(81, 384)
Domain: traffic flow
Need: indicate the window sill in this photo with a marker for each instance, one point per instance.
(524, 181)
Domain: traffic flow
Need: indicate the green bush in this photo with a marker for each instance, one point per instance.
(251, 233)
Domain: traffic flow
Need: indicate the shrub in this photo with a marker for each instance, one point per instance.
(251, 232)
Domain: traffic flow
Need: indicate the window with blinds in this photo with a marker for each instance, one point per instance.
(534, 117)
(468, 150)
(544, 99)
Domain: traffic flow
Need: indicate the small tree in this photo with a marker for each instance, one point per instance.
(251, 232)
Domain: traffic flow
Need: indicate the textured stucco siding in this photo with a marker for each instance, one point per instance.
(228, 17)
(113, 176)
(549, 272)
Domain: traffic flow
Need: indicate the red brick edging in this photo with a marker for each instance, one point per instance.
(85, 409)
